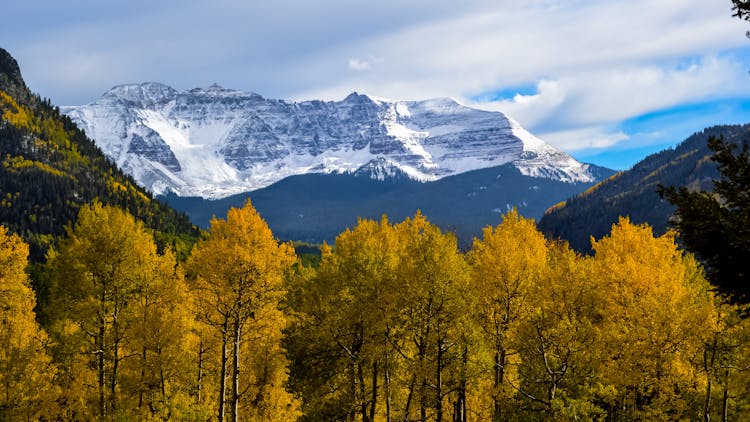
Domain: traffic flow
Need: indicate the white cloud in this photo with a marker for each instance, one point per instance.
(595, 63)
(584, 138)
(358, 64)
(530, 110)
(609, 95)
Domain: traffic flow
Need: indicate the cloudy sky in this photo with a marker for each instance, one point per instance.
(607, 80)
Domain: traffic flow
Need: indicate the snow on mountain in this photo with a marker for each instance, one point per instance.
(214, 142)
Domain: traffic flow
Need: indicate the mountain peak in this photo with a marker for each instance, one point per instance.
(216, 90)
(9, 70)
(145, 93)
(356, 97)
(381, 168)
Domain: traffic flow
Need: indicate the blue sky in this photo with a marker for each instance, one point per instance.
(609, 81)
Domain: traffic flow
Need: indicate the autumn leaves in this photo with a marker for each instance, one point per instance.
(394, 324)
(397, 324)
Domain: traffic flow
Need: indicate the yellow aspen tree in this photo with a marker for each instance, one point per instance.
(506, 262)
(320, 367)
(555, 341)
(109, 294)
(657, 311)
(726, 364)
(341, 308)
(432, 294)
(364, 263)
(26, 370)
(237, 274)
(377, 329)
(160, 339)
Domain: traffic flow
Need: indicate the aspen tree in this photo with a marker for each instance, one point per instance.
(117, 315)
(238, 275)
(26, 370)
(657, 311)
(506, 263)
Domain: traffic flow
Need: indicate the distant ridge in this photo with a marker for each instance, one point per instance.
(317, 207)
(632, 193)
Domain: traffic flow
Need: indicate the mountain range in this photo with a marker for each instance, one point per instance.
(214, 142)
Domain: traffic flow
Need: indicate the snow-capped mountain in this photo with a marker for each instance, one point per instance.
(215, 142)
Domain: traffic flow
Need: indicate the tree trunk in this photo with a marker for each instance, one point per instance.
(423, 402)
(352, 414)
(362, 393)
(459, 409)
(143, 377)
(387, 385)
(223, 376)
(409, 397)
(374, 399)
(499, 379)
(708, 365)
(236, 372)
(100, 361)
(113, 377)
(707, 405)
(423, 386)
(115, 354)
(162, 383)
(200, 373)
(725, 399)
(439, 382)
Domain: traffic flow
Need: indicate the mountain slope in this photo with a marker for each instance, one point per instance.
(633, 193)
(317, 207)
(49, 168)
(216, 142)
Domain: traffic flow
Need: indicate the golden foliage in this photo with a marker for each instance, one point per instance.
(394, 324)
(26, 370)
(238, 273)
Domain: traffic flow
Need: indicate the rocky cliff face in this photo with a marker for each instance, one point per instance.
(215, 142)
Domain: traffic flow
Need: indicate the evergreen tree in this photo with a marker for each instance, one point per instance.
(741, 9)
(716, 225)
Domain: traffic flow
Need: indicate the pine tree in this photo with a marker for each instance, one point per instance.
(716, 225)
(741, 9)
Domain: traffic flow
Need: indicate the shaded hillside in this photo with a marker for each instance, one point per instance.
(317, 207)
(49, 168)
(632, 193)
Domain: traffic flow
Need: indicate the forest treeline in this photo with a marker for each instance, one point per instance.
(394, 323)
